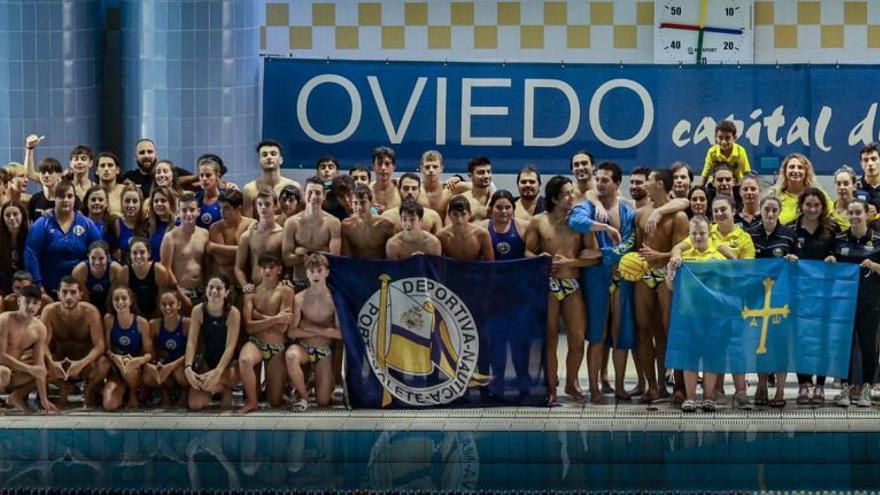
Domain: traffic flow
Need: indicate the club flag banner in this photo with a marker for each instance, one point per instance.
(430, 331)
(768, 315)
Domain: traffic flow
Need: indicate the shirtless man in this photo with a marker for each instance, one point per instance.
(24, 343)
(76, 343)
(480, 172)
(582, 168)
(364, 235)
(638, 190)
(549, 233)
(385, 193)
(108, 172)
(412, 240)
(265, 236)
(529, 203)
(20, 280)
(268, 311)
(224, 236)
(653, 298)
(289, 202)
(183, 253)
(462, 240)
(361, 174)
(311, 230)
(435, 194)
(313, 329)
(271, 158)
(327, 168)
(409, 186)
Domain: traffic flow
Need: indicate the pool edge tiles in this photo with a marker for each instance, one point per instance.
(519, 419)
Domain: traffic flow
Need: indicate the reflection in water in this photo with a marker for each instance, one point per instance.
(409, 460)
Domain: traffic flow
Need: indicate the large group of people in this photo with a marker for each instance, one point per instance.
(162, 285)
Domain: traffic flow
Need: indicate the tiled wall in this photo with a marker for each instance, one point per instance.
(50, 58)
(191, 79)
(786, 31)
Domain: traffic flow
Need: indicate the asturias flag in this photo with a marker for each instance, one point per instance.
(765, 315)
(431, 331)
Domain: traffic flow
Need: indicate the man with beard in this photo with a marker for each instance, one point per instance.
(609, 298)
(409, 186)
(146, 156)
(385, 194)
(480, 172)
(271, 159)
(637, 190)
(529, 203)
(653, 297)
(77, 346)
(582, 168)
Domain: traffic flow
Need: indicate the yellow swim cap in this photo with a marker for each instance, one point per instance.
(632, 267)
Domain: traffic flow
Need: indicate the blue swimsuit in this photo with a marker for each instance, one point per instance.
(98, 287)
(173, 343)
(126, 340)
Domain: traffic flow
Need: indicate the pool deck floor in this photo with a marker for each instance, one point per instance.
(568, 416)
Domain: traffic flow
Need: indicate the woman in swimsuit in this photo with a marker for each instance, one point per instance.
(97, 274)
(169, 337)
(128, 336)
(146, 277)
(162, 208)
(213, 329)
(505, 230)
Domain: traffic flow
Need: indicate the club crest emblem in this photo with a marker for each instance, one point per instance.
(421, 341)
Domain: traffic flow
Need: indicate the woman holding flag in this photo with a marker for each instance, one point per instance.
(772, 240)
(815, 233)
(859, 244)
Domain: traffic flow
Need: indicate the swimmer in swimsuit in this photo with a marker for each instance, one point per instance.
(267, 313)
(560, 288)
(549, 233)
(314, 328)
(318, 353)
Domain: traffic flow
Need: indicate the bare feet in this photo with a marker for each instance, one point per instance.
(637, 390)
(677, 398)
(650, 396)
(622, 395)
(248, 407)
(597, 397)
(19, 401)
(133, 404)
(606, 386)
(574, 392)
(226, 400)
(552, 398)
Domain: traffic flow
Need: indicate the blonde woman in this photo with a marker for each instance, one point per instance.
(795, 174)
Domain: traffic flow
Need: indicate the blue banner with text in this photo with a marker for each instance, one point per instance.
(542, 113)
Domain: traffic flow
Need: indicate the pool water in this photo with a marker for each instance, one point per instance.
(438, 460)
